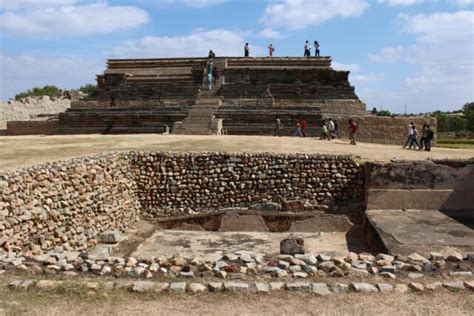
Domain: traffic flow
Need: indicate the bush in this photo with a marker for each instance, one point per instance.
(468, 110)
(88, 88)
(384, 113)
(38, 92)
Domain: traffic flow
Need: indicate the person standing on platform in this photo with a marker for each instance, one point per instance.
(271, 49)
(316, 48)
(210, 69)
(211, 54)
(307, 49)
(353, 128)
(246, 50)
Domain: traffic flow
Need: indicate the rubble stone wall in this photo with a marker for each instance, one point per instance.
(30, 107)
(195, 182)
(384, 130)
(65, 203)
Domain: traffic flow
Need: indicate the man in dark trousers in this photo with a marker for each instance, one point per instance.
(246, 50)
(429, 137)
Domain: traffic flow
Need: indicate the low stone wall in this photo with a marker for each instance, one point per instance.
(34, 127)
(383, 130)
(65, 203)
(195, 182)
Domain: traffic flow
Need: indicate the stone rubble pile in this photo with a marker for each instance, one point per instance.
(180, 183)
(244, 264)
(65, 205)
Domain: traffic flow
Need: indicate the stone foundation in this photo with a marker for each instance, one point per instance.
(65, 203)
(187, 183)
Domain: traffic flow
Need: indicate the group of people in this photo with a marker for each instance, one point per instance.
(330, 131)
(271, 49)
(427, 135)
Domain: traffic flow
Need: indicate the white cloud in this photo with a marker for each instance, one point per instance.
(197, 44)
(21, 72)
(346, 67)
(28, 4)
(465, 3)
(393, 3)
(72, 20)
(195, 3)
(298, 14)
(443, 50)
(270, 33)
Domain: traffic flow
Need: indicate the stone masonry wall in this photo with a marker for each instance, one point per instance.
(195, 182)
(30, 107)
(384, 130)
(65, 203)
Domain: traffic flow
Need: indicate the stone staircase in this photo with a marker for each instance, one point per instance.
(199, 119)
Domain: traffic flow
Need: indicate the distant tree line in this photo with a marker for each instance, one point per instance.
(456, 121)
(53, 91)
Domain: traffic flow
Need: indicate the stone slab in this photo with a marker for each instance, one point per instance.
(421, 231)
(245, 223)
(169, 242)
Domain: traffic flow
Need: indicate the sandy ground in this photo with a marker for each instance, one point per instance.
(69, 302)
(28, 150)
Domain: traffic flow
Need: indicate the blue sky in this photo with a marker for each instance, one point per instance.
(414, 52)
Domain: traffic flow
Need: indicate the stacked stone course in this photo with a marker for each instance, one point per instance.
(196, 182)
(65, 203)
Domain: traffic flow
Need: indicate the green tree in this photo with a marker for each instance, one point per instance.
(39, 91)
(468, 110)
(384, 113)
(374, 110)
(88, 88)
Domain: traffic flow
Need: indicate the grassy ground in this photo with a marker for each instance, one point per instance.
(456, 143)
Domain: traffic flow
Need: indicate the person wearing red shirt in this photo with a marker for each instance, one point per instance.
(353, 128)
(304, 126)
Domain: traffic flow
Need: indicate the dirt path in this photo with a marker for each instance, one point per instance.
(28, 150)
(442, 302)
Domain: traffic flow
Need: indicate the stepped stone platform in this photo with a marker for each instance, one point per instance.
(149, 94)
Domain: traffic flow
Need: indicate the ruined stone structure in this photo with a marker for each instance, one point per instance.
(151, 93)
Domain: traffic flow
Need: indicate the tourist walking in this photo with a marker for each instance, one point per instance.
(307, 49)
(316, 48)
(210, 69)
(246, 50)
(324, 132)
(298, 130)
(277, 127)
(336, 128)
(353, 129)
(304, 126)
(410, 135)
(429, 137)
(423, 136)
(271, 49)
(331, 128)
(414, 138)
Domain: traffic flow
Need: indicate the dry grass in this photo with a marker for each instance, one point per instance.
(28, 150)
